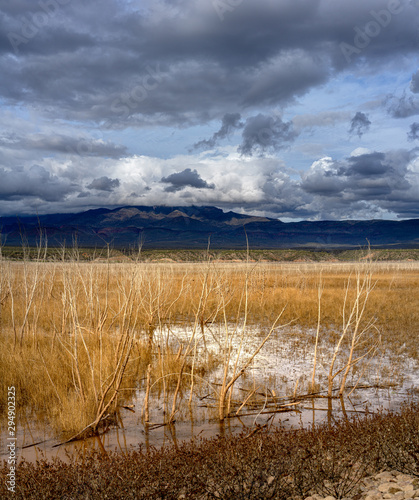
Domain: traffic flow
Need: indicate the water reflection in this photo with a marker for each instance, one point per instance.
(278, 376)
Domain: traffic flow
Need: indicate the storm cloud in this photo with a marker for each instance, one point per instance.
(35, 182)
(414, 84)
(117, 102)
(187, 177)
(114, 61)
(264, 134)
(104, 184)
(230, 122)
(402, 107)
(359, 124)
(83, 146)
(414, 132)
(381, 180)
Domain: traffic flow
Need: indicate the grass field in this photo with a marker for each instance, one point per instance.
(77, 335)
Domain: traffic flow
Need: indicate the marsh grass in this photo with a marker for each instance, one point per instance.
(52, 382)
(77, 336)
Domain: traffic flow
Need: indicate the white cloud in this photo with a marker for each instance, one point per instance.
(360, 152)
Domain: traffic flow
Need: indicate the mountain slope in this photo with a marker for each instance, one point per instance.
(192, 227)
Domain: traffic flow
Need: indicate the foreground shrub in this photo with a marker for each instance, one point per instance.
(266, 465)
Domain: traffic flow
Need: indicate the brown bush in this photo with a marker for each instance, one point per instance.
(274, 465)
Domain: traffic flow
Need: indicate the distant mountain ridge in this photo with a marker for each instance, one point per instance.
(193, 226)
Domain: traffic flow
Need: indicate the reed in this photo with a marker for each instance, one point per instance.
(77, 336)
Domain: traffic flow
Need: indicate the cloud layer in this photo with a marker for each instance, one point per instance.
(251, 105)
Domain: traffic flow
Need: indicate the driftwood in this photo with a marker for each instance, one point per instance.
(78, 436)
(33, 444)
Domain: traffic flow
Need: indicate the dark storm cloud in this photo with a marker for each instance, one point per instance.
(264, 133)
(322, 183)
(35, 182)
(185, 178)
(230, 122)
(177, 62)
(359, 124)
(83, 146)
(402, 107)
(367, 165)
(414, 132)
(414, 84)
(104, 184)
(375, 176)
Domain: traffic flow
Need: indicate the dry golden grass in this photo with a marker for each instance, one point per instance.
(74, 334)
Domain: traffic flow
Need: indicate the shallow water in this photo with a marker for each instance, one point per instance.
(279, 372)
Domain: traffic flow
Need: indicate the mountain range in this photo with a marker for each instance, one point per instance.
(196, 227)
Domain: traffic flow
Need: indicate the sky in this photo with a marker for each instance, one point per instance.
(292, 109)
